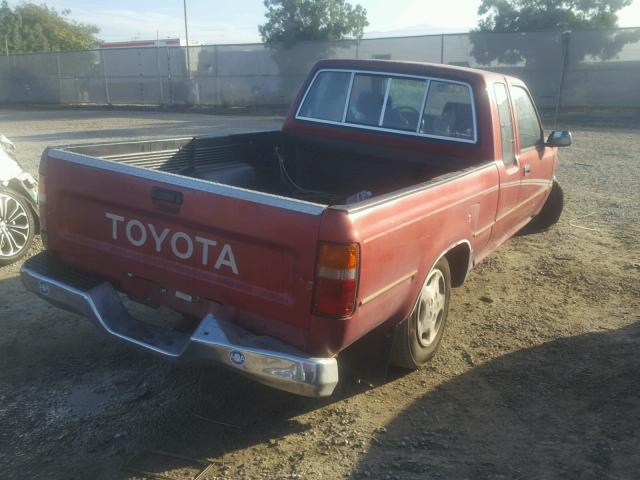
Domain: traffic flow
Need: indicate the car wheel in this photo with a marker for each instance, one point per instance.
(17, 226)
(417, 338)
(550, 213)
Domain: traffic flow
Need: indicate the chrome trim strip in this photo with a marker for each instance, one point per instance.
(388, 287)
(483, 229)
(517, 183)
(533, 181)
(473, 114)
(505, 185)
(390, 130)
(239, 193)
(424, 105)
(346, 104)
(384, 101)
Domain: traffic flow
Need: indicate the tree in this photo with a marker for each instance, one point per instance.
(36, 28)
(520, 16)
(540, 15)
(290, 21)
(300, 32)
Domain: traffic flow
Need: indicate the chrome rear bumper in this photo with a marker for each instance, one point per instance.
(263, 359)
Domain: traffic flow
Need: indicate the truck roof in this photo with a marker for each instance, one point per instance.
(471, 75)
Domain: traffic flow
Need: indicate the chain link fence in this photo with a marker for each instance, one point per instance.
(589, 68)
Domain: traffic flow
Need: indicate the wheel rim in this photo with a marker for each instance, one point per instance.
(14, 226)
(431, 307)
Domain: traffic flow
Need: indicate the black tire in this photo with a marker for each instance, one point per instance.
(17, 226)
(550, 213)
(411, 348)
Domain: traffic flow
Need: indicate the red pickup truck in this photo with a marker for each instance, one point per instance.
(387, 182)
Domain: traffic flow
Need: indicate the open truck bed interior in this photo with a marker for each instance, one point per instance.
(280, 164)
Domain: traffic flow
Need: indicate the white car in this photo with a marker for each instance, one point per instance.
(18, 206)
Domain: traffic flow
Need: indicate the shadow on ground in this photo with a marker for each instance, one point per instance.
(523, 415)
(74, 404)
(66, 388)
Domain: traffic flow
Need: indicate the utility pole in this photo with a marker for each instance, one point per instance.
(6, 44)
(186, 34)
(160, 82)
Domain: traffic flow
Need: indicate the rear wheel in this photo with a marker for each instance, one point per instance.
(417, 338)
(17, 226)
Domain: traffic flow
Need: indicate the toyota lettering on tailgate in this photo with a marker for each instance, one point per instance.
(180, 244)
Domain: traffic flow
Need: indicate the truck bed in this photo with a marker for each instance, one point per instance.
(278, 164)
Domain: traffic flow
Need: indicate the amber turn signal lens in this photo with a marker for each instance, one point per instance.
(336, 280)
(340, 257)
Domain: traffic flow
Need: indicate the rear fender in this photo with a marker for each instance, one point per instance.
(459, 270)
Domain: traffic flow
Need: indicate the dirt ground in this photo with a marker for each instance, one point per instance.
(538, 375)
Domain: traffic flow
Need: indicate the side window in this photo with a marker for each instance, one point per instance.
(326, 97)
(506, 124)
(367, 97)
(529, 130)
(448, 111)
(404, 104)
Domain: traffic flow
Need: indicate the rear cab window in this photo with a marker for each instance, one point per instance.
(448, 111)
(366, 99)
(405, 100)
(326, 100)
(412, 105)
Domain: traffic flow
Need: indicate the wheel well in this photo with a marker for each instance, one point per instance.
(458, 258)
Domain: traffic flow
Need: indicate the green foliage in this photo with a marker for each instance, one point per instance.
(521, 16)
(36, 28)
(290, 21)
(538, 15)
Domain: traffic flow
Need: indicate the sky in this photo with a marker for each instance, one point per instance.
(236, 21)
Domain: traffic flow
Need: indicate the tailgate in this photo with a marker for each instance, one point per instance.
(185, 241)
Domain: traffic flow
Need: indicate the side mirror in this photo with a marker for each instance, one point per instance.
(559, 138)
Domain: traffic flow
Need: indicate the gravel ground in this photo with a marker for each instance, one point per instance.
(538, 375)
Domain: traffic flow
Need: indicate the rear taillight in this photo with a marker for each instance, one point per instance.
(336, 279)
(42, 207)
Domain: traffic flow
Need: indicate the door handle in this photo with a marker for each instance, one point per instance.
(527, 169)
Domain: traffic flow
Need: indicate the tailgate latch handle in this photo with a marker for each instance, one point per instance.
(166, 195)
